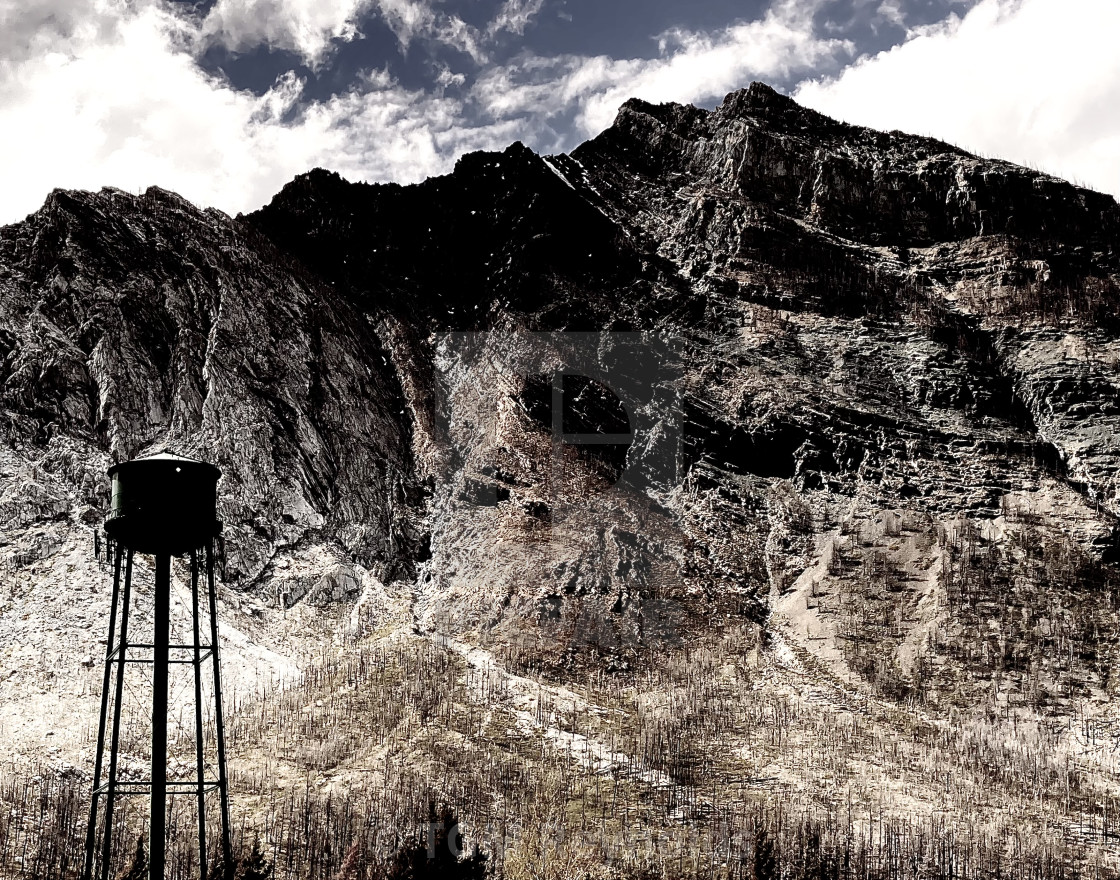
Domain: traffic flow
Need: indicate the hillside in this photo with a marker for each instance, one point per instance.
(741, 479)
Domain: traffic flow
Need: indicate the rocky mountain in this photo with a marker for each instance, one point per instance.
(741, 409)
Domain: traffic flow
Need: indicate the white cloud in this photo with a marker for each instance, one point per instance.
(456, 33)
(311, 27)
(891, 11)
(305, 27)
(121, 102)
(109, 92)
(408, 18)
(692, 67)
(446, 78)
(514, 16)
(1033, 81)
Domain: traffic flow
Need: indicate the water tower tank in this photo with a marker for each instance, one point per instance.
(164, 504)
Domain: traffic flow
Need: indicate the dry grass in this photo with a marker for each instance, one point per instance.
(720, 762)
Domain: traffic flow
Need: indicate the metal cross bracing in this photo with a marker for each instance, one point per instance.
(119, 652)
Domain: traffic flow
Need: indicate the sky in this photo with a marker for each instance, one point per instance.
(224, 101)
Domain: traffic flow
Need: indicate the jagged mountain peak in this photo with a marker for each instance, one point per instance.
(323, 186)
(860, 184)
(768, 106)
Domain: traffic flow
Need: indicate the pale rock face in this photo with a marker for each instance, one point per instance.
(855, 331)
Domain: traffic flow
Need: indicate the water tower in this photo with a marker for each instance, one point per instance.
(163, 506)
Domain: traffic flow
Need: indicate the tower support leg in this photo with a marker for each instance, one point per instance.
(115, 738)
(199, 730)
(160, 642)
(105, 786)
(91, 828)
(223, 780)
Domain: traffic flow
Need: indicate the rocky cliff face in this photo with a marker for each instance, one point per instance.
(856, 388)
(859, 321)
